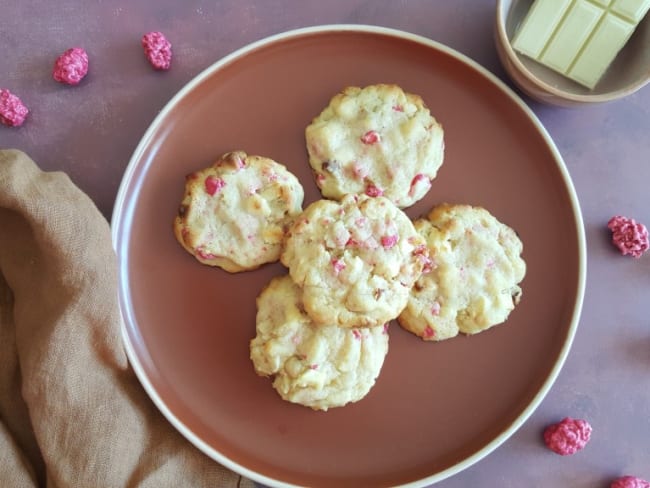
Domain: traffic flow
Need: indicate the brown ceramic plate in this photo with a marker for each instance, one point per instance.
(436, 407)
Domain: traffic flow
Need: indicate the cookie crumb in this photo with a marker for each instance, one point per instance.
(568, 436)
(158, 50)
(629, 236)
(12, 110)
(71, 67)
(630, 482)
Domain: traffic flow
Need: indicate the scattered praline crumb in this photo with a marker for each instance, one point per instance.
(629, 482)
(12, 110)
(158, 50)
(629, 236)
(71, 67)
(568, 436)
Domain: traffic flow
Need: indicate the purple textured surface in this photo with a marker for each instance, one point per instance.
(90, 131)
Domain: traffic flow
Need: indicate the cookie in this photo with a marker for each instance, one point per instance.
(234, 214)
(316, 366)
(376, 140)
(473, 281)
(355, 260)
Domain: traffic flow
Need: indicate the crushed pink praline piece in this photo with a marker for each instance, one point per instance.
(629, 482)
(213, 184)
(158, 50)
(422, 253)
(373, 191)
(352, 242)
(416, 180)
(428, 332)
(203, 254)
(338, 265)
(71, 67)
(388, 242)
(13, 111)
(630, 236)
(371, 137)
(568, 436)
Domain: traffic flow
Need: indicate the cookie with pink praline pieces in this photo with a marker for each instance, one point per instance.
(318, 366)
(355, 260)
(71, 67)
(378, 140)
(234, 213)
(474, 280)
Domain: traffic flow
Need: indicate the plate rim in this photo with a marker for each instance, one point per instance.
(121, 212)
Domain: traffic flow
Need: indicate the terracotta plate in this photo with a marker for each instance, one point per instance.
(436, 407)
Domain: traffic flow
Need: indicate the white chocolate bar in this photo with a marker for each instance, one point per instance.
(578, 38)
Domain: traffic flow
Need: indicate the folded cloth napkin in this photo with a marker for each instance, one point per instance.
(72, 413)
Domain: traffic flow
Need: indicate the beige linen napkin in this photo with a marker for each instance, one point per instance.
(72, 413)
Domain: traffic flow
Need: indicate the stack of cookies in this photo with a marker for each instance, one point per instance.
(355, 260)
(322, 329)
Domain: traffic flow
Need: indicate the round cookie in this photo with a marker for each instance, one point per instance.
(317, 366)
(473, 281)
(234, 214)
(376, 140)
(356, 260)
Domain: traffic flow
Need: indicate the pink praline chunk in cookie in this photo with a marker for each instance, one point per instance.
(373, 191)
(338, 265)
(213, 184)
(371, 137)
(428, 332)
(419, 179)
(389, 241)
